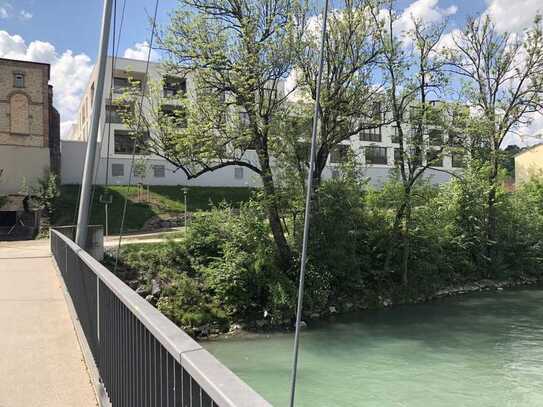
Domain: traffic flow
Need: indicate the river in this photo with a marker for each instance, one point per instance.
(478, 350)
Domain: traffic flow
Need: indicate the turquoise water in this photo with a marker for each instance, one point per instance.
(480, 350)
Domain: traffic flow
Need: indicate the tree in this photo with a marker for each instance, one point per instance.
(235, 56)
(412, 71)
(350, 99)
(502, 76)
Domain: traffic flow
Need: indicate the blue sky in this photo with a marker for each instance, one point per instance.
(65, 33)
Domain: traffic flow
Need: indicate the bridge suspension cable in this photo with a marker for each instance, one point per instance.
(309, 194)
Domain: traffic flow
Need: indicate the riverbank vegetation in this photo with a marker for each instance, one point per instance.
(398, 243)
(226, 270)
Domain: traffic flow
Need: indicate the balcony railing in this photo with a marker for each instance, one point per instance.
(142, 358)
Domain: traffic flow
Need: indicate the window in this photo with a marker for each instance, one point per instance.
(376, 155)
(455, 139)
(117, 170)
(159, 171)
(177, 115)
(238, 172)
(19, 80)
(376, 112)
(458, 160)
(92, 94)
(114, 113)
(434, 158)
(371, 134)
(395, 138)
(124, 143)
(121, 84)
(339, 154)
(174, 86)
(435, 137)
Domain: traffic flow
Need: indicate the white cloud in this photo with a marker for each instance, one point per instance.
(4, 12)
(69, 72)
(513, 15)
(140, 50)
(25, 15)
(426, 10)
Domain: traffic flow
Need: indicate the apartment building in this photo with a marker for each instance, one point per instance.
(116, 146)
(376, 149)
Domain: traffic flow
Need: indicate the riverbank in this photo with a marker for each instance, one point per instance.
(259, 327)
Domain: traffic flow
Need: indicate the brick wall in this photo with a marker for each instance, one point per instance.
(24, 112)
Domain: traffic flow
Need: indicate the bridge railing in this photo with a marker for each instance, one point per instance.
(142, 358)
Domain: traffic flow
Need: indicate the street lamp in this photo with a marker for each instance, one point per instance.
(185, 194)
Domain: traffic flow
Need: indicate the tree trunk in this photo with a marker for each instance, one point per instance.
(491, 232)
(406, 244)
(283, 249)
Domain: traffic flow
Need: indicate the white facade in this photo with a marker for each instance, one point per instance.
(159, 171)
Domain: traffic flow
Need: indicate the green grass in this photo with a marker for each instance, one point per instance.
(164, 201)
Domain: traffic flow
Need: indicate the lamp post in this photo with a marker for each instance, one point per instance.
(185, 194)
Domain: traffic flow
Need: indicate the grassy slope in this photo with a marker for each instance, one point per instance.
(164, 200)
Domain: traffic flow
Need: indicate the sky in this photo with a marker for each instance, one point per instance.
(65, 34)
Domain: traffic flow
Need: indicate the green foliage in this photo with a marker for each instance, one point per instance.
(45, 193)
(226, 269)
(165, 201)
(235, 254)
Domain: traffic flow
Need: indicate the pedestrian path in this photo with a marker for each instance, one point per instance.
(41, 363)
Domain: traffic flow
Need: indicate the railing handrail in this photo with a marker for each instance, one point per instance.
(223, 386)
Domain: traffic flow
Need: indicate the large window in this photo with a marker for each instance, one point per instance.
(114, 113)
(376, 155)
(455, 139)
(395, 138)
(124, 143)
(458, 160)
(339, 154)
(120, 84)
(174, 86)
(434, 158)
(177, 114)
(435, 137)
(371, 134)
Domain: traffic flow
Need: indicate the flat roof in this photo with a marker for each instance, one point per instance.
(19, 61)
(530, 148)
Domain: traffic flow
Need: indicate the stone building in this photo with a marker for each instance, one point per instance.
(29, 130)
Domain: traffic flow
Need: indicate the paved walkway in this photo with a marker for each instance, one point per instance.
(40, 360)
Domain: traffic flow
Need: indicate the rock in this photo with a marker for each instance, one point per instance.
(155, 287)
(261, 323)
(235, 327)
(141, 290)
(387, 302)
(315, 315)
(303, 324)
(348, 306)
(332, 310)
(500, 288)
(149, 298)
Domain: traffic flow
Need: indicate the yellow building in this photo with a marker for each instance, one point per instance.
(529, 163)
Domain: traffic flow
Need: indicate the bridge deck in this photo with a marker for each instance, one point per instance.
(41, 363)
